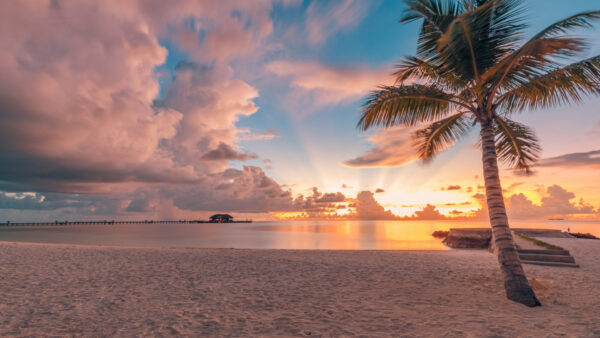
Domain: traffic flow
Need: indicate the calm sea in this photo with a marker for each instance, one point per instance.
(346, 235)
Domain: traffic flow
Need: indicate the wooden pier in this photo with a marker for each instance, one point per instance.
(110, 222)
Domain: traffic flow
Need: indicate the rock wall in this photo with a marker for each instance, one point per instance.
(469, 238)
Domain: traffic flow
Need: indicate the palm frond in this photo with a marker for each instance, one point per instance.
(539, 51)
(531, 60)
(580, 20)
(516, 144)
(478, 38)
(436, 15)
(440, 135)
(417, 69)
(560, 86)
(406, 105)
(429, 10)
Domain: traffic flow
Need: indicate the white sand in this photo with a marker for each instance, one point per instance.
(83, 290)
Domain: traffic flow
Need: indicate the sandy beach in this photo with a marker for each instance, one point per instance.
(50, 289)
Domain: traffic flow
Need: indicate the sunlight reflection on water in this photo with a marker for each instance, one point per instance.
(344, 235)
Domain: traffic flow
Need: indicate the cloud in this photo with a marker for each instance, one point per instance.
(168, 142)
(379, 190)
(76, 98)
(451, 187)
(210, 102)
(53, 206)
(512, 187)
(27, 201)
(451, 203)
(247, 135)
(330, 84)
(429, 212)
(393, 147)
(80, 114)
(226, 152)
(586, 159)
(325, 206)
(331, 198)
(245, 190)
(369, 209)
(290, 3)
(324, 19)
(556, 202)
(211, 30)
(318, 205)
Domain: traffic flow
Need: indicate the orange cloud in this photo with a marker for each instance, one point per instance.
(429, 212)
(556, 202)
(368, 208)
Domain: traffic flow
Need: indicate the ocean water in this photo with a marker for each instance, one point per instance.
(339, 235)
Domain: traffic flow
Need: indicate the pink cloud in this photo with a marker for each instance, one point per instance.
(392, 147)
(79, 86)
(210, 30)
(76, 95)
(330, 84)
(210, 102)
(226, 152)
(226, 39)
(247, 135)
(324, 19)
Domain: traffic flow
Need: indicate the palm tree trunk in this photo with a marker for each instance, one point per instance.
(515, 283)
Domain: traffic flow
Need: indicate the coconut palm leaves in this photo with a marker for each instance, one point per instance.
(478, 38)
(470, 64)
(440, 135)
(560, 86)
(436, 15)
(516, 144)
(580, 20)
(407, 105)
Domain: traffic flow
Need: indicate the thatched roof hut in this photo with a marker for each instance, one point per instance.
(221, 218)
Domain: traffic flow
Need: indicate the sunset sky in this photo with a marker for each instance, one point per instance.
(178, 109)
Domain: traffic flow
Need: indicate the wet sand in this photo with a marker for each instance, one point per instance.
(48, 289)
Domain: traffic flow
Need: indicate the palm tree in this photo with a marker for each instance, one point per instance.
(473, 68)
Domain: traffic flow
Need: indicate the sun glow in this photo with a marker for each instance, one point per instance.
(343, 212)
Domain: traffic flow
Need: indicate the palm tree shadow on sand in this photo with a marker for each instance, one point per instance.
(472, 69)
